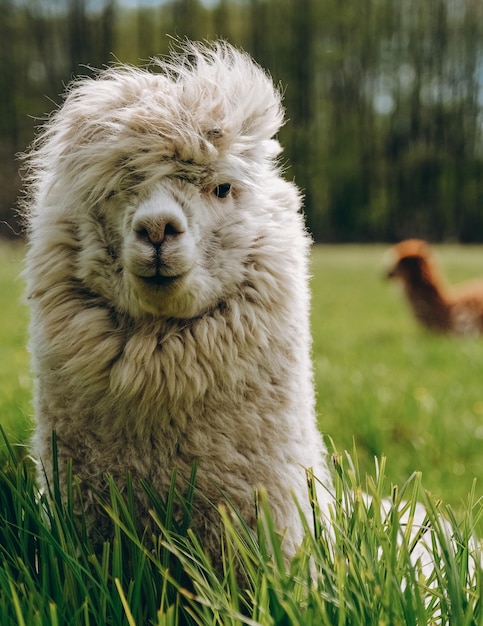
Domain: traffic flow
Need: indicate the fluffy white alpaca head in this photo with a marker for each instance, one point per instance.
(176, 169)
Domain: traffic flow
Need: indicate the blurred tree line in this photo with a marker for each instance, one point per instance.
(384, 97)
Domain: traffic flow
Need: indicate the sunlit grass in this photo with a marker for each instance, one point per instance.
(383, 383)
(381, 380)
(15, 380)
(356, 566)
(390, 386)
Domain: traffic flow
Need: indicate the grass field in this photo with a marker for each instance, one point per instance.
(388, 385)
(15, 379)
(383, 384)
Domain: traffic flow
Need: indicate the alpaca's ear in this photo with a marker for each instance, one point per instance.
(262, 116)
(264, 113)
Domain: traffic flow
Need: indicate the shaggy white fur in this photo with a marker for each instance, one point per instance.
(167, 278)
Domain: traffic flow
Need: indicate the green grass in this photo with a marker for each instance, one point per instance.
(360, 572)
(390, 386)
(15, 379)
(382, 383)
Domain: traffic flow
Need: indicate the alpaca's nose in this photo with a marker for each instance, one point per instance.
(158, 218)
(155, 229)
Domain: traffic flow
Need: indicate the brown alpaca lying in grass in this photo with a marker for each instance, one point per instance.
(437, 307)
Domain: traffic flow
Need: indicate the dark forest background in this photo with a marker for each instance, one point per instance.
(384, 97)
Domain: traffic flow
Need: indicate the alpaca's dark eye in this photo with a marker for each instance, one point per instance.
(223, 190)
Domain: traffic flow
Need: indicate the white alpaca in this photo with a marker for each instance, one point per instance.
(167, 277)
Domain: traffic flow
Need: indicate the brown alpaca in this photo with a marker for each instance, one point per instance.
(437, 307)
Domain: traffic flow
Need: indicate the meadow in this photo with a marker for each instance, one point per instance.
(387, 385)
(384, 385)
(15, 379)
(407, 406)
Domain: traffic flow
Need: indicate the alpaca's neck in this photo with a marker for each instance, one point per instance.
(429, 301)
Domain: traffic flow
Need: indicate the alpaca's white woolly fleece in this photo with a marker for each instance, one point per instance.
(167, 278)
